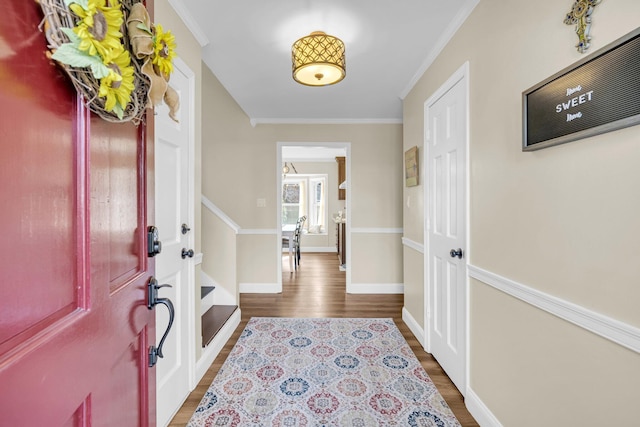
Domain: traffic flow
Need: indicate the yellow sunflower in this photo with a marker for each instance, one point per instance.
(99, 27)
(164, 50)
(118, 85)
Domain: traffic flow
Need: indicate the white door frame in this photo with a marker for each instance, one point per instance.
(186, 70)
(190, 338)
(460, 75)
(347, 147)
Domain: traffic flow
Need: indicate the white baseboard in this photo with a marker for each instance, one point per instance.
(376, 288)
(259, 288)
(413, 326)
(479, 410)
(210, 352)
(322, 249)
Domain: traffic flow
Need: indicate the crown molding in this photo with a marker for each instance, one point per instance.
(285, 121)
(190, 22)
(446, 36)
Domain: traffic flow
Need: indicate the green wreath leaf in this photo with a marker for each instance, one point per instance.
(73, 37)
(143, 27)
(69, 54)
(83, 3)
(117, 108)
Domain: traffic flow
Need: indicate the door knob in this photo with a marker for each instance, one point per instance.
(185, 229)
(187, 253)
(456, 253)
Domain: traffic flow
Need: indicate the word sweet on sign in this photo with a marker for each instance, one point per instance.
(598, 94)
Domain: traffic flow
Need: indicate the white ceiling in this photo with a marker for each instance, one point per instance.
(389, 44)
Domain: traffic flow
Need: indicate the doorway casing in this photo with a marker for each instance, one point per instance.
(334, 145)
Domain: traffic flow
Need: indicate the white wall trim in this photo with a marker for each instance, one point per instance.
(479, 410)
(282, 121)
(444, 39)
(190, 22)
(614, 330)
(210, 352)
(413, 326)
(376, 288)
(259, 288)
(197, 259)
(413, 245)
(258, 231)
(374, 230)
(218, 212)
(220, 295)
(316, 249)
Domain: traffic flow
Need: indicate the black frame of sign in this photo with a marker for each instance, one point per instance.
(597, 94)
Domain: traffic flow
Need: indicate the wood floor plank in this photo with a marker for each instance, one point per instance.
(317, 289)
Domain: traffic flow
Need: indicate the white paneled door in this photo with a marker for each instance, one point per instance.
(174, 264)
(445, 187)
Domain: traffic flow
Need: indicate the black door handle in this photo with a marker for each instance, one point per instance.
(152, 301)
(185, 229)
(187, 253)
(456, 253)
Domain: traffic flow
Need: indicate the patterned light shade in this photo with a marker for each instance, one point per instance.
(318, 60)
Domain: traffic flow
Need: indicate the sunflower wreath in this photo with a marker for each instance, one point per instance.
(92, 41)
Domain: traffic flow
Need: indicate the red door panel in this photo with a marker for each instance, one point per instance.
(74, 209)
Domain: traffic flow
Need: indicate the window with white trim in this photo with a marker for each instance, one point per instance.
(305, 195)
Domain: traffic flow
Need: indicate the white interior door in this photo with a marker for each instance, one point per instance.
(446, 277)
(174, 200)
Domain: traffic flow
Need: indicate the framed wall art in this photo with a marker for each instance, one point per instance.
(411, 167)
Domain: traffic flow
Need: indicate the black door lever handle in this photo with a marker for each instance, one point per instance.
(152, 301)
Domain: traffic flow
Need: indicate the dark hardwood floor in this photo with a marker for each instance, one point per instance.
(317, 289)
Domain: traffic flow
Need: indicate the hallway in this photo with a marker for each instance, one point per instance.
(317, 289)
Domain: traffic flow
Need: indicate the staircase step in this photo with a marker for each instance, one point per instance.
(213, 320)
(206, 290)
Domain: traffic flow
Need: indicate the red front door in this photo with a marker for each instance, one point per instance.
(75, 330)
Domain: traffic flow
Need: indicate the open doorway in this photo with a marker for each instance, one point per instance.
(309, 183)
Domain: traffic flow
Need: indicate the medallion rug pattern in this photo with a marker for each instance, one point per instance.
(322, 372)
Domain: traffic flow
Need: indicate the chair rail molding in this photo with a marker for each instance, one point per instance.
(413, 245)
(611, 329)
(258, 231)
(218, 212)
(378, 230)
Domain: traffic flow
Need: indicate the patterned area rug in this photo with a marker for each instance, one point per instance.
(322, 372)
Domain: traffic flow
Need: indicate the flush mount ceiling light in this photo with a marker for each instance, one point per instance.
(318, 59)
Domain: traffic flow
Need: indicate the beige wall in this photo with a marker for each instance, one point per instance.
(562, 220)
(379, 257)
(239, 167)
(219, 244)
(188, 49)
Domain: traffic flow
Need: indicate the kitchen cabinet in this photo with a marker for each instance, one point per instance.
(341, 244)
(342, 176)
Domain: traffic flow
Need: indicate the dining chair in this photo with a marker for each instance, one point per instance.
(296, 240)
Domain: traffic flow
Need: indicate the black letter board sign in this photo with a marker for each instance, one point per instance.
(598, 94)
